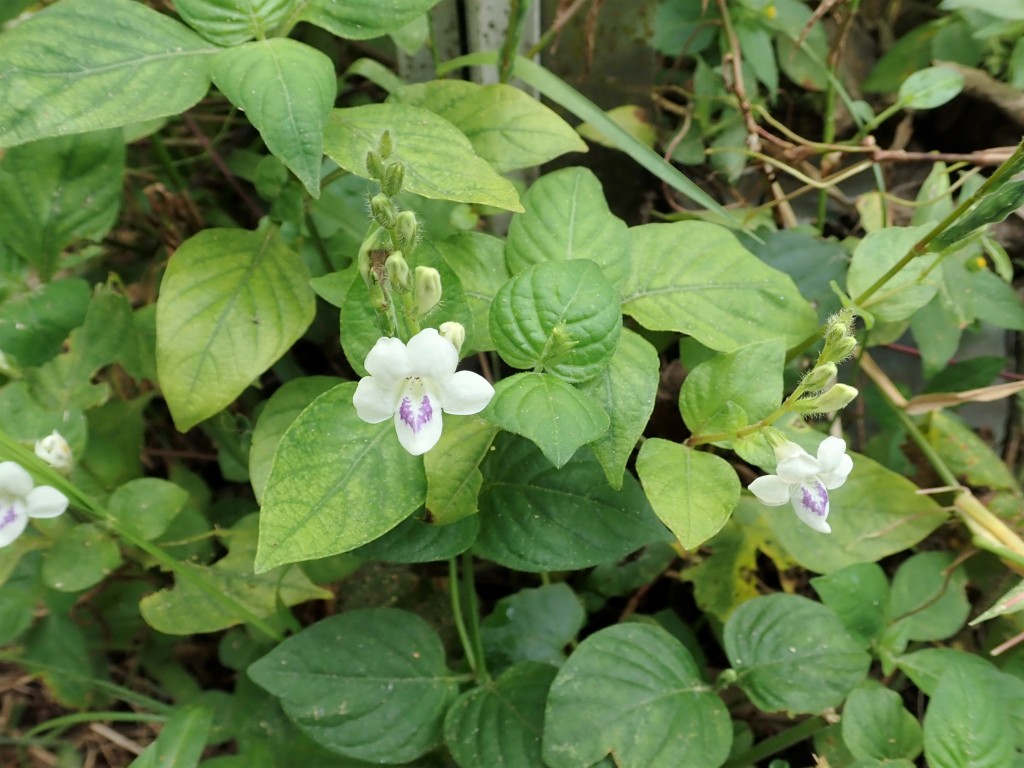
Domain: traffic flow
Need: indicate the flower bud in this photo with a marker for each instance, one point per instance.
(428, 289)
(374, 165)
(836, 398)
(384, 146)
(455, 333)
(377, 298)
(398, 271)
(383, 210)
(408, 229)
(372, 242)
(55, 451)
(819, 377)
(844, 348)
(392, 181)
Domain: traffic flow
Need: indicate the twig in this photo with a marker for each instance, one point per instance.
(218, 161)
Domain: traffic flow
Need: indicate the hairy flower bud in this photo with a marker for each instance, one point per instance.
(384, 146)
(834, 399)
(391, 184)
(374, 240)
(383, 210)
(398, 271)
(819, 377)
(455, 333)
(374, 165)
(428, 289)
(408, 229)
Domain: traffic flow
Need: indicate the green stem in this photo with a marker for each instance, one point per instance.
(778, 742)
(828, 135)
(468, 647)
(921, 246)
(64, 722)
(94, 509)
(469, 589)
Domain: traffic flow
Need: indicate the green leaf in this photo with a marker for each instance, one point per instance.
(230, 22)
(930, 603)
(231, 303)
(534, 517)
(55, 191)
(82, 65)
(452, 468)
(500, 722)
(875, 514)
(996, 301)
(693, 492)
(415, 540)
(59, 651)
(749, 379)
(910, 53)
(81, 557)
(370, 684)
(528, 404)
(277, 415)
(811, 262)
(336, 483)
(478, 260)
(438, 160)
(532, 625)
(965, 726)
(181, 740)
(633, 691)
(926, 668)
(187, 608)
(567, 217)
(931, 87)
(695, 278)
(727, 576)
(286, 89)
(859, 595)
(990, 209)
(563, 94)
(359, 20)
(558, 316)
(507, 128)
(146, 506)
(877, 726)
(793, 654)
(626, 391)
(906, 291)
(34, 324)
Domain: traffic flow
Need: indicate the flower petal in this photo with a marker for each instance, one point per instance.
(771, 490)
(388, 360)
(798, 468)
(837, 476)
(810, 502)
(12, 521)
(418, 420)
(432, 356)
(465, 392)
(14, 480)
(831, 451)
(45, 501)
(376, 401)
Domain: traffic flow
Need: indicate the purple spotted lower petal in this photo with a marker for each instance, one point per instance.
(418, 420)
(12, 522)
(415, 416)
(810, 502)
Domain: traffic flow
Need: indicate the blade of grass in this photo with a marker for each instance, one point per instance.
(560, 92)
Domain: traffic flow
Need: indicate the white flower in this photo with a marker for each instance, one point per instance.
(414, 384)
(804, 481)
(55, 451)
(19, 501)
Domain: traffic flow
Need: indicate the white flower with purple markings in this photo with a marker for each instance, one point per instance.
(804, 480)
(20, 499)
(414, 383)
